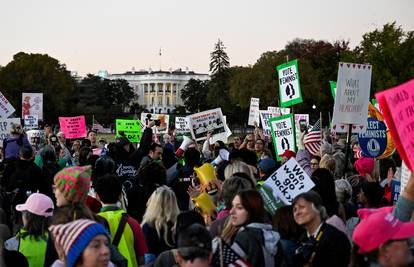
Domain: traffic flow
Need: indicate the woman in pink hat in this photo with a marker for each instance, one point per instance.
(31, 240)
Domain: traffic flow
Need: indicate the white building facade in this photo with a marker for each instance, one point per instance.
(158, 91)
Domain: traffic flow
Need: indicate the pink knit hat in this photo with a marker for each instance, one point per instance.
(378, 226)
(364, 166)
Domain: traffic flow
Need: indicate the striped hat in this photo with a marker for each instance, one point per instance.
(75, 236)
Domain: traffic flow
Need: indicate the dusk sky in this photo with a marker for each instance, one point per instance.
(92, 35)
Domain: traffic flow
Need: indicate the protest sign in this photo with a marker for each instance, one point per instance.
(333, 88)
(271, 203)
(163, 119)
(374, 140)
(300, 119)
(32, 104)
(376, 104)
(395, 191)
(289, 181)
(289, 86)
(283, 134)
(278, 111)
(352, 94)
(130, 128)
(405, 176)
(254, 112)
(6, 109)
(181, 125)
(265, 116)
(397, 105)
(31, 122)
(31, 134)
(208, 121)
(73, 127)
(6, 127)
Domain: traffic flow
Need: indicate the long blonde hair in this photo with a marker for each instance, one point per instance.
(162, 209)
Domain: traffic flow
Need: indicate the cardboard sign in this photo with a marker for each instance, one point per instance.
(131, 129)
(352, 94)
(164, 122)
(333, 88)
(73, 127)
(300, 118)
(289, 181)
(32, 104)
(254, 112)
(5, 128)
(6, 109)
(374, 141)
(208, 121)
(283, 134)
(289, 86)
(31, 122)
(397, 105)
(181, 125)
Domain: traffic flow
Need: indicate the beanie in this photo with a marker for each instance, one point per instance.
(74, 182)
(364, 166)
(75, 236)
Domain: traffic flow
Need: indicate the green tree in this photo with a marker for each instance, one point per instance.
(390, 51)
(38, 73)
(218, 90)
(95, 96)
(194, 95)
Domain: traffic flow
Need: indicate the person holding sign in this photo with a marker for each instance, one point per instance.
(323, 244)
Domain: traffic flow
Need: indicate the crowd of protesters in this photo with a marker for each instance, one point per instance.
(87, 202)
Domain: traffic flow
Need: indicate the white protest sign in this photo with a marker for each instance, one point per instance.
(208, 121)
(32, 104)
(289, 86)
(163, 120)
(181, 125)
(254, 111)
(6, 109)
(6, 126)
(352, 94)
(289, 181)
(299, 119)
(343, 128)
(278, 111)
(283, 134)
(405, 176)
(31, 134)
(31, 122)
(265, 116)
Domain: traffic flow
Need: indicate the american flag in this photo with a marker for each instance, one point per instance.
(226, 256)
(313, 139)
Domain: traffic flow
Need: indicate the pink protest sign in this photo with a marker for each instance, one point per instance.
(397, 105)
(73, 127)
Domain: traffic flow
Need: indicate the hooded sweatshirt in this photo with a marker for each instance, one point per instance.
(258, 243)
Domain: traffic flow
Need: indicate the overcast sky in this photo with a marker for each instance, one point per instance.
(116, 35)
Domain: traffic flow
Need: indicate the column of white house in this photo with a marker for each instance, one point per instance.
(156, 96)
(141, 86)
(171, 95)
(164, 100)
(147, 94)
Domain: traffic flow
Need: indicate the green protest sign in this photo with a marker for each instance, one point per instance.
(289, 86)
(271, 204)
(333, 88)
(131, 129)
(283, 133)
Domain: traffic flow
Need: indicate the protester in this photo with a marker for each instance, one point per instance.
(91, 136)
(81, 243)
(287, 155)
(255, 241)
(314, 163)
(122, 228)
(323, 244)
(154, 154)
(382, 240)
(11, 145)
(159, 218)
(31, 240)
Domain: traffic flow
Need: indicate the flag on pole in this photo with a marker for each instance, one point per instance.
(97, 127)
(312, 140)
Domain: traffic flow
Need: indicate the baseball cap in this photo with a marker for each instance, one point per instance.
(289, 154)
(378, 226)
(38, 204)
(267, 165)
